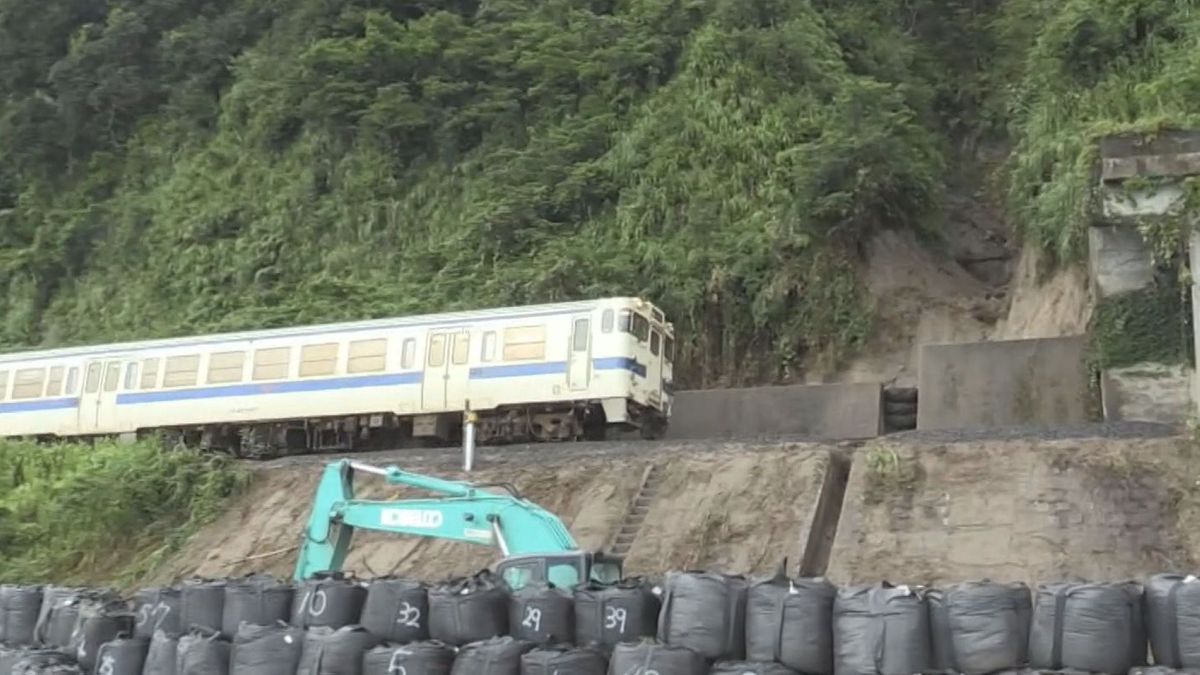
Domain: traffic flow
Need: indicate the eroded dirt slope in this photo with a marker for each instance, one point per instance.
(732, 506)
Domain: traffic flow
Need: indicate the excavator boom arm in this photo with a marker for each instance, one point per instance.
(514, 525)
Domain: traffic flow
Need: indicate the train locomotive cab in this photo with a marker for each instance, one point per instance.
(635, 334)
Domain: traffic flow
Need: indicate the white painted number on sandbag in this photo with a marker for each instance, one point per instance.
(153, 614)
(395, 668)
(614, 617)
(107, 666)
(409, 616)
(316, 602)
(533, 618)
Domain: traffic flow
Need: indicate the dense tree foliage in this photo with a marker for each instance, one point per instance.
(181, 165)
(173, 166)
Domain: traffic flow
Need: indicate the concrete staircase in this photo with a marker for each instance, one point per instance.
(639, 506)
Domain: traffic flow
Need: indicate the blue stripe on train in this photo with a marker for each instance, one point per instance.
(621, 363)
(37, 406)
(257, 389)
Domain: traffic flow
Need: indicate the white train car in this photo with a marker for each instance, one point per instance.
(542, 372)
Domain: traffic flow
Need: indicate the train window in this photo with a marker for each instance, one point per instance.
(669, 350)
(437, 350)
(55, 381)
(367, 356)
(488, 351)
(29, 383)
(606, 321)
(72, 382)
(226, 367)
(579, 336)
(462, 348)
(524, 343)
(654, 342)
(92, 384)
(408, 353)
(640, 327)
(625, 321)
(657, 315)
(112, 376)
(150, 374)
(131, 377)
(272, 364)
(3, 384)
(317, 360)
(179, 371)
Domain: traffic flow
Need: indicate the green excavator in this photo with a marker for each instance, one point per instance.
(535, 544)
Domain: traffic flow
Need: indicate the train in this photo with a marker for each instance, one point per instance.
(535, 373)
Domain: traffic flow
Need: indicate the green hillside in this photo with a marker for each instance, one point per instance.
(171, 166)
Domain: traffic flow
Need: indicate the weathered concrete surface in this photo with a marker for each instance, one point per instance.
(823, 411)
(1147, 392)
(1118, 260)
(735, 506)
(1018, 510)
(1008, 383)
(1194, 259)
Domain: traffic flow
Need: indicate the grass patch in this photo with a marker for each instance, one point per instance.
(75, 512)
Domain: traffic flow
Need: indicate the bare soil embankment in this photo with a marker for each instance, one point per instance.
(740, 507)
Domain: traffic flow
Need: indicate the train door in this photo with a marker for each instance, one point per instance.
(654, 370)
(447, 373)
(98, 403)
(579, 360)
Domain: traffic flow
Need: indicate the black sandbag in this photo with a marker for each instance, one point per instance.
(541, 613)
(340, 651)
(259, 600)
(428, 657)
(705, 612)
(158, 609)
(162, 655)
(61, 625)
(202, 603)
(495, 656)
(979, 627)
(45, 662)
(54, 598)
(332, 601)
(643, 657)
(9, 657)
(1091, 627)
(202, 653)
(880, 630)
(100, 620)
(266, 650)
(124, 656)
(1172, 610)
(791, 621)
(396, 610)
(468, 609)
(750, 668)
(20, 607)
(552, 661)
(607, 614)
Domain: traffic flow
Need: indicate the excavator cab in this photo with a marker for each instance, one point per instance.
(564, 570)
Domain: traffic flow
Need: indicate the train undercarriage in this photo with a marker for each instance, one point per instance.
(388, 431)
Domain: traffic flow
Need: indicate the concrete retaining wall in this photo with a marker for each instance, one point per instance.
(1031, 510)
(826, 411)
(996, 384)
